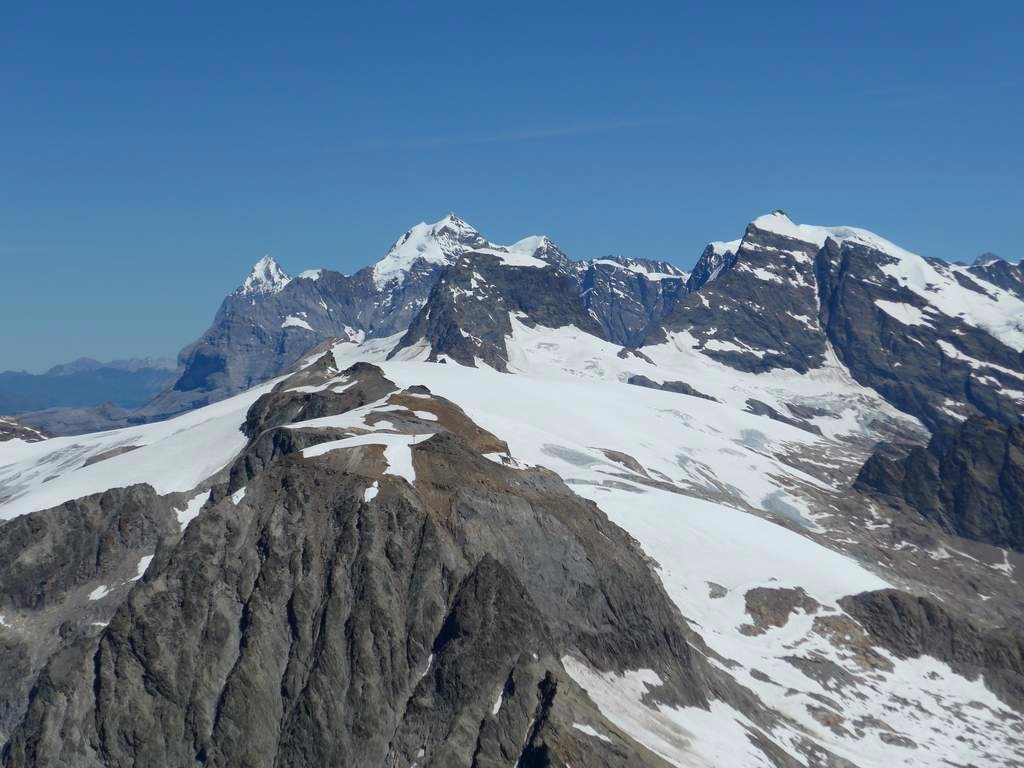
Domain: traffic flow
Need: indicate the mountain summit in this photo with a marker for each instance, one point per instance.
(266, 277)
(438, 244)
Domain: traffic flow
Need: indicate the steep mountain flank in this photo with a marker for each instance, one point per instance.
(62, 573)
(754, 308)
(468, 314)
(936, 366)
(969, 481)
(1006, 275)
(626, 296)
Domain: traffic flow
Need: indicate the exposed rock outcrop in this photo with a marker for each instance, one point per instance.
(912, 626)
(969, 481)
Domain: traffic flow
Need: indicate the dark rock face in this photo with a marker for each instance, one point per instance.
(48, 561)
(912, 626)
(256, 336)
(467, 314)
(309, 624)
(715, 258)
(763, 409)
(627, 295)
(969, 481)
(771, 607)
(681, 387)
(916, 366)
(755, 309)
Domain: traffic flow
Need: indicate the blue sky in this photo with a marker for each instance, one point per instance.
(148, 156)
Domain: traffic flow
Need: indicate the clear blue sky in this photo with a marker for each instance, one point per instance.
(151, 152)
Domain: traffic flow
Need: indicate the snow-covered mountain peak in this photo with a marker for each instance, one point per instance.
(779, 223)
(438, 243)
(988, 259)
(266, 277)
(457, 226)
(724, 248)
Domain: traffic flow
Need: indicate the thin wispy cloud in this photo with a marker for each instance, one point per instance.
(508, 137)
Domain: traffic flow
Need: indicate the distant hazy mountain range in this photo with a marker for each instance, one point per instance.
(85, 382)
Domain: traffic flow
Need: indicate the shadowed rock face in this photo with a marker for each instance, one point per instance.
(626, 296)
(466, 316)
(911, 365)
(969, 481)
(50, 561)
(680, 387)
(310, 623)
(912, 626)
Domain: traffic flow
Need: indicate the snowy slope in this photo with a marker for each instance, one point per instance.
(173, 455)
(567, 410)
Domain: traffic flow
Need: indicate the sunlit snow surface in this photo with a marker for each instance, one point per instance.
(567, 402)
(173, 455)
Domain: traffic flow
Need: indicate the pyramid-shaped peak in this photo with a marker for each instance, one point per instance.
(266, 277)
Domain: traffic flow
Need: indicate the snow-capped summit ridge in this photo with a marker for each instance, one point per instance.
(724, 248)
(780, 224)
(444, 241)
(266, 277)
(438, 243)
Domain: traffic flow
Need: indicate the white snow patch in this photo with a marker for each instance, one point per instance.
(238, 495)
(591, 731)
(397, 450)
(296, 322)
(724, 248)
(100, 592)
(498, 702)
(907, 314)
(192, 507)
(266, 277)
(683, 736)
(371, 492)
(140, 569)
(439, 243)
(639, 268)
